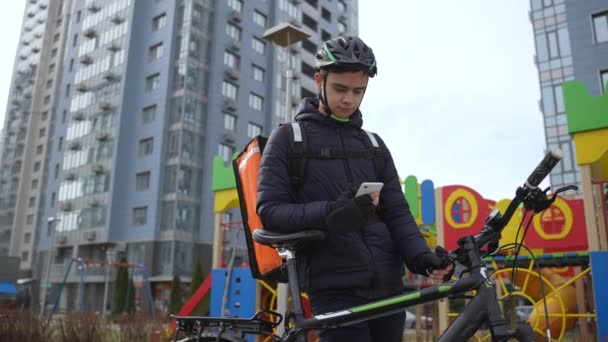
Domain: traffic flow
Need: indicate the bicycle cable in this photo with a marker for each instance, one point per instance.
(542, 286)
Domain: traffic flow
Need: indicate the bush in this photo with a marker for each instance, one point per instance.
(83, 327)
(20, 325)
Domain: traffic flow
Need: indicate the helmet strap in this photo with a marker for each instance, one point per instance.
(323, 95)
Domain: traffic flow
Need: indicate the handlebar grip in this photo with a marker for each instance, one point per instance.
(543, 168)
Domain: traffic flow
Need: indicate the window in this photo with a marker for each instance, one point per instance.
(149, 114)
(256, 102)
(155, 52)
(44, 115)
(152, 82)
(142, 181)
(253, 130)
(32, 202)
(75, 40)
(37, 166)
(47, 99)
(27, 237)
(34, 184)
(231, 60)
(229, 90)
(259, 18)
(604, 80)
(49, 84)
(39, 149)
(258, 45)
(325, 35)
(600, 27)
(236, 5)
(229, 122)
(146, 146)
(310, 22)
(553, 44)
(51, 68)
(78, 15)
(226, 152)
(140, 216)
(60, 144)
(41, 132)
(553, 100)
(258, 73)
(71, 67)
(233, 31)
(25, 255)
(29, 219)
(341, 27)
(326, 14)
(159, 22)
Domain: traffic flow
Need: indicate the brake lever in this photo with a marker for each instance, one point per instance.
(538, 200)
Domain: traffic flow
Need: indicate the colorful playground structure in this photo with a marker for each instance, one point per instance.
(568, 241)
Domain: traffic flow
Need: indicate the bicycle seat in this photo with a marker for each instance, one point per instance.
(273, 239)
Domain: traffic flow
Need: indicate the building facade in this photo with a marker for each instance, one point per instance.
(28, 127)
(571, 44)
(144, 94)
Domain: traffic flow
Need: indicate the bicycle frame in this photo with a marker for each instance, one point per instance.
(483, 308)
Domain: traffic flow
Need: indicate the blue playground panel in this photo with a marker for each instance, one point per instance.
(241, 294)
(599, 265)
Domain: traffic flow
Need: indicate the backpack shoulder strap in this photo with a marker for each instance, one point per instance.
(295, 155)
(378, 153)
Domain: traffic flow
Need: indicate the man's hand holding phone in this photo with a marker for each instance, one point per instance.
(350, 213)
(372, 189)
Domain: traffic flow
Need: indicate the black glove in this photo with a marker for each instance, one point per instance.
(349, 213)
(435, 261)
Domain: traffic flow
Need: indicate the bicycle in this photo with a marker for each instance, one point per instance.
(483, 308)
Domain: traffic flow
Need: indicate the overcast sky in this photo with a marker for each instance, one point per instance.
(456, 97)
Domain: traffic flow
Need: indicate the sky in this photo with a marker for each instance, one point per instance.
(456, 96)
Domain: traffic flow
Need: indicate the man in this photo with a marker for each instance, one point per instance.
(368, 237)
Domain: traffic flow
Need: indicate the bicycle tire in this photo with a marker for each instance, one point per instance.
(212, 337)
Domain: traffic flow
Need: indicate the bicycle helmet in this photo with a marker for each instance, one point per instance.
(344, 53)
(347, 53)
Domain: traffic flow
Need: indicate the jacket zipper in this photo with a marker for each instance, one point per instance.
(349, 176)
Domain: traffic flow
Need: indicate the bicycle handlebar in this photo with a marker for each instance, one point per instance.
(543, 168)
(495, 223)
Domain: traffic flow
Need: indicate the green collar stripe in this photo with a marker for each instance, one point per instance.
(404, 298)
(329, 54)
(337, 118)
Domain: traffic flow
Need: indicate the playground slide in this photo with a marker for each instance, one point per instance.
(558, 303)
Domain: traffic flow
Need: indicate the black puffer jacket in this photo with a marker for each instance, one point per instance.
(368, 262)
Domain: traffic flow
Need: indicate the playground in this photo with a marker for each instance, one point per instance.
(561, 271)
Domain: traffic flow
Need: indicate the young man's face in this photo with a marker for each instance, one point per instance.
(343, 91)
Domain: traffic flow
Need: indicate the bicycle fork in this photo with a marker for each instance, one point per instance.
(483, 308)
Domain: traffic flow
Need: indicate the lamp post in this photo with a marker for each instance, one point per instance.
(285, 35)
(109, 260)
(51, 222)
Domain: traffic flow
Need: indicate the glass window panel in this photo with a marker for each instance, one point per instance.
(548, 101)
(600, 26)
(553, 46)
(541, 47)
(559, 99)
(564, 42)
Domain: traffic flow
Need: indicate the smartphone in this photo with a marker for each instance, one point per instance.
(369, 187)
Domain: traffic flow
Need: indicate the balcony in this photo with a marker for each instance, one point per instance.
(230, 105)
(232, 74)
